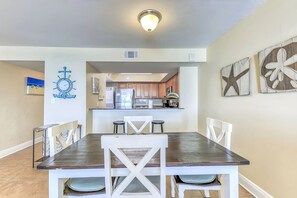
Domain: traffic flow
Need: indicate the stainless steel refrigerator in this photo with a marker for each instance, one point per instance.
(124, 98)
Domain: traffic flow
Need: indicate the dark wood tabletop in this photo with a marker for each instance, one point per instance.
(184, 149)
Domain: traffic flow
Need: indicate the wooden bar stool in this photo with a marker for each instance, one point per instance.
(161, 122)
(116, 124)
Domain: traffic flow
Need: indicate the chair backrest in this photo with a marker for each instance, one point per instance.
(219, 131)
(136, 144)
(133, 120)
(61, 136)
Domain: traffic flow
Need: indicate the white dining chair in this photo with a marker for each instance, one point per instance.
(60, 137)
(219, 132)
(134, 121)
(140, 180)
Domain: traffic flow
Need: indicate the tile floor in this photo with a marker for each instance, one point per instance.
(19, 180)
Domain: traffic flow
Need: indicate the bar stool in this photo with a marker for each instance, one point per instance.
(161, 122)
(116, 124)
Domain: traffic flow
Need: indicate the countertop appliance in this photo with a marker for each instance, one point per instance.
(124, 98)
(172, 103)
(172, 100)
(110, 97)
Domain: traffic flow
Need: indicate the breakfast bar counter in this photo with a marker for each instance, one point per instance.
(176, 119)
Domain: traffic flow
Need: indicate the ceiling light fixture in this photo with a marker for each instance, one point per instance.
(149, 19)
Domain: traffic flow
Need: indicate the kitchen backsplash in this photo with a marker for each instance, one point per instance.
(145, 102)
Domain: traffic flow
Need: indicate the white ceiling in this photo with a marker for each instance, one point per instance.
(113, 23)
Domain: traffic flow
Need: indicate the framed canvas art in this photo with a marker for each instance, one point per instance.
(34, 86)
(278, 67)
(236, 78)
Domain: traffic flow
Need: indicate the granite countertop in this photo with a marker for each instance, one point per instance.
(130, 109)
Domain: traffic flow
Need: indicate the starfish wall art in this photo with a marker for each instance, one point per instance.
(236, 78)
(278, 67)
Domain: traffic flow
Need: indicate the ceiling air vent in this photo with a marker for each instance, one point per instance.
(131, 54)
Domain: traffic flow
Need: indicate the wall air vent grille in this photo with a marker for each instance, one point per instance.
(131, 54)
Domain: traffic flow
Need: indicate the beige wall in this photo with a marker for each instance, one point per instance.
(264, 125)
(19, 113)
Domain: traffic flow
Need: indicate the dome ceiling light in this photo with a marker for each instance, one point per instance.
(149, 19)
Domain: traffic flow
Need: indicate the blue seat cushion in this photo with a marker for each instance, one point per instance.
(89, 184)
(197, 179)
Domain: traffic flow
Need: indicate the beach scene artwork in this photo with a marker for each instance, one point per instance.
(34, 86)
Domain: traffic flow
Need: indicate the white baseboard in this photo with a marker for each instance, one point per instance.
(19, 147)
(252, 188)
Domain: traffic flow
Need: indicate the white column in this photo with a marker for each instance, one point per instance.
(188, 90)
(57, 110)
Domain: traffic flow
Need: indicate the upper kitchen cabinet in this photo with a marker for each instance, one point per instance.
(142, 90)
(154, 90)
(122, 85)
(151, 90)
(173, 82)
(145, 90)
(138, 93)
(131, 86)
(162, 90)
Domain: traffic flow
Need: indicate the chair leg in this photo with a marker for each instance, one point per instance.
(172, 186)
(33, 148)
(162, 128)
(181, 192)
(206, 193)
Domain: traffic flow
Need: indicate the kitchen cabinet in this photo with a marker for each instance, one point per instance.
(162, 90)
(154, 90)
(131, 86)
(173, 82)
(145, 90)
(176, 83)
(169, 83)
(151, 90)
(122, 85)
(138, 93)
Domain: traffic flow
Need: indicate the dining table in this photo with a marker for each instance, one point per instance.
(188, 153)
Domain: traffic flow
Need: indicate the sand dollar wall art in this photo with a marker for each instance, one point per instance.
(278, 67)
(236, 78)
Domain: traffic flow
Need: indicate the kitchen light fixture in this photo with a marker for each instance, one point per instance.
(149, 19)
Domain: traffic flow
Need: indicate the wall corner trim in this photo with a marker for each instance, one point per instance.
(252, 187)
(19, 147)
